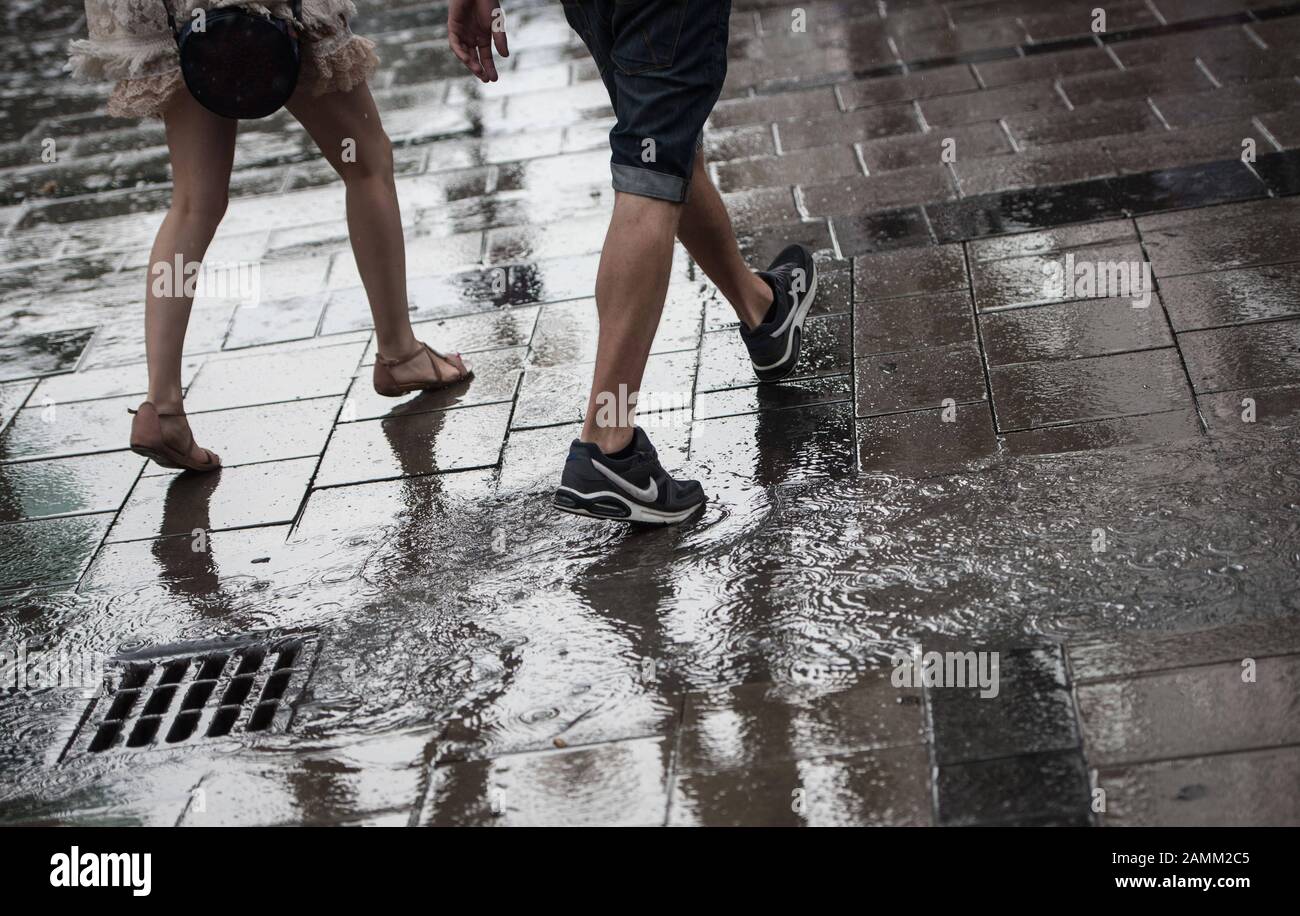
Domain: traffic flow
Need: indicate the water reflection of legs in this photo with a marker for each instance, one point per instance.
(186, 564)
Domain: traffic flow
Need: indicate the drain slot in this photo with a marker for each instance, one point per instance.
(183, 694)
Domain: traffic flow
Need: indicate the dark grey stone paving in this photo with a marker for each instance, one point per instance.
(973, 458)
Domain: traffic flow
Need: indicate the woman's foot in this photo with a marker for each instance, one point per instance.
(423, 369)
(164, 436)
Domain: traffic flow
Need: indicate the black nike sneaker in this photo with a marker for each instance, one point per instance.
(631, 488)
(774, 344)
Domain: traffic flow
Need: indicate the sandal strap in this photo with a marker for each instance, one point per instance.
(434, 356)
(135, 410)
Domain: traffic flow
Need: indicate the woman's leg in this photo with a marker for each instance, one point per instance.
(346, 127)
(202, 149)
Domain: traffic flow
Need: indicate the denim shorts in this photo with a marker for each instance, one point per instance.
(663, 63)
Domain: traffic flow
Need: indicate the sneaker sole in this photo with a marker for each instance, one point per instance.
(614, 507)
(787, 365)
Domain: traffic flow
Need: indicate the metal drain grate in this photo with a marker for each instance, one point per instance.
(181, 694)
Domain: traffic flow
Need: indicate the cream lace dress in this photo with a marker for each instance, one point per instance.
(130, 42)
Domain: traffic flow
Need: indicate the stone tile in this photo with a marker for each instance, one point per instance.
(247, 381)
(425, 443)
(912, 323)
(338, 512)
(787, 170)
(260, 323)
(1227, 411)
(1074, 274)
(1210, 300)
(1069, 330)
(775, 446)
(273, 432)
(1187, 186)
(846, 197)
(920, 443)
(777, 396)
(843, 130)
(314, 788)
(884, 788)
(42, 354)
(725, 363)
(496, 379)
(1247, 236)
(918, 379)
(884, 231)
(12, 398)
(1023, 210)
(1248, 789)
(1032, 711)
(1060, 163)
(1188, 109)
(768, 108)
(919, 85)
(49, 551)
(1103, 119)
(753, 724)
(968, 143)
(567, 332)
(750, 210)
(945, 42)
(1245, 356)
(1164, 149)
(66, 486)
(1190, 712)
(1145, 653)
(761, 247)
(1045, 393)
(994, 73)
(1280, 172)
(1229, 40)
(909, 272)
(622, 783)
(67, 429)
(1050, 788)
(991, 104)
(111, 382)
(554, 240)
(1167, 426)
(1024, 244)
(1135, 82)
(235, 560)
(724, 144)
(237, 497)
(559, 395)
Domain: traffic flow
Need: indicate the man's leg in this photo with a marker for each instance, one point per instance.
(631, 285)
(705, 229)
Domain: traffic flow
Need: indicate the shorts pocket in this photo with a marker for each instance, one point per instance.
(646, 33)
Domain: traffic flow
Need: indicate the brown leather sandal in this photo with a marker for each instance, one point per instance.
(389, 387)
(147, 440)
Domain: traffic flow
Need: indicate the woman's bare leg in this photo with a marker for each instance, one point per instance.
(348, 122)
(202, 149)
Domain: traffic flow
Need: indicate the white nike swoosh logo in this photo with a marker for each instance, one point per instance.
(647, 494)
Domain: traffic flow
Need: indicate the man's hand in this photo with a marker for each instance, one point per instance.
(473, 26)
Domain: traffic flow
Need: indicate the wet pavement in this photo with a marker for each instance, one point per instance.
(371, 616)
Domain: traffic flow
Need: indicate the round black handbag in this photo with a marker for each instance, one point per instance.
(240, 64)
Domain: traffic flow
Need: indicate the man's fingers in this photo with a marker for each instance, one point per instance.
(489, 65)
(469, 60)
(499, 39)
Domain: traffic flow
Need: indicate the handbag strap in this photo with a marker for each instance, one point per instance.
(296, 6)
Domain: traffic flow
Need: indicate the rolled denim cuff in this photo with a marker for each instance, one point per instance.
(645, 183)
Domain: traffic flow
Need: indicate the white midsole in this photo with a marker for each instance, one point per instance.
(638, 513)
(799, 314)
